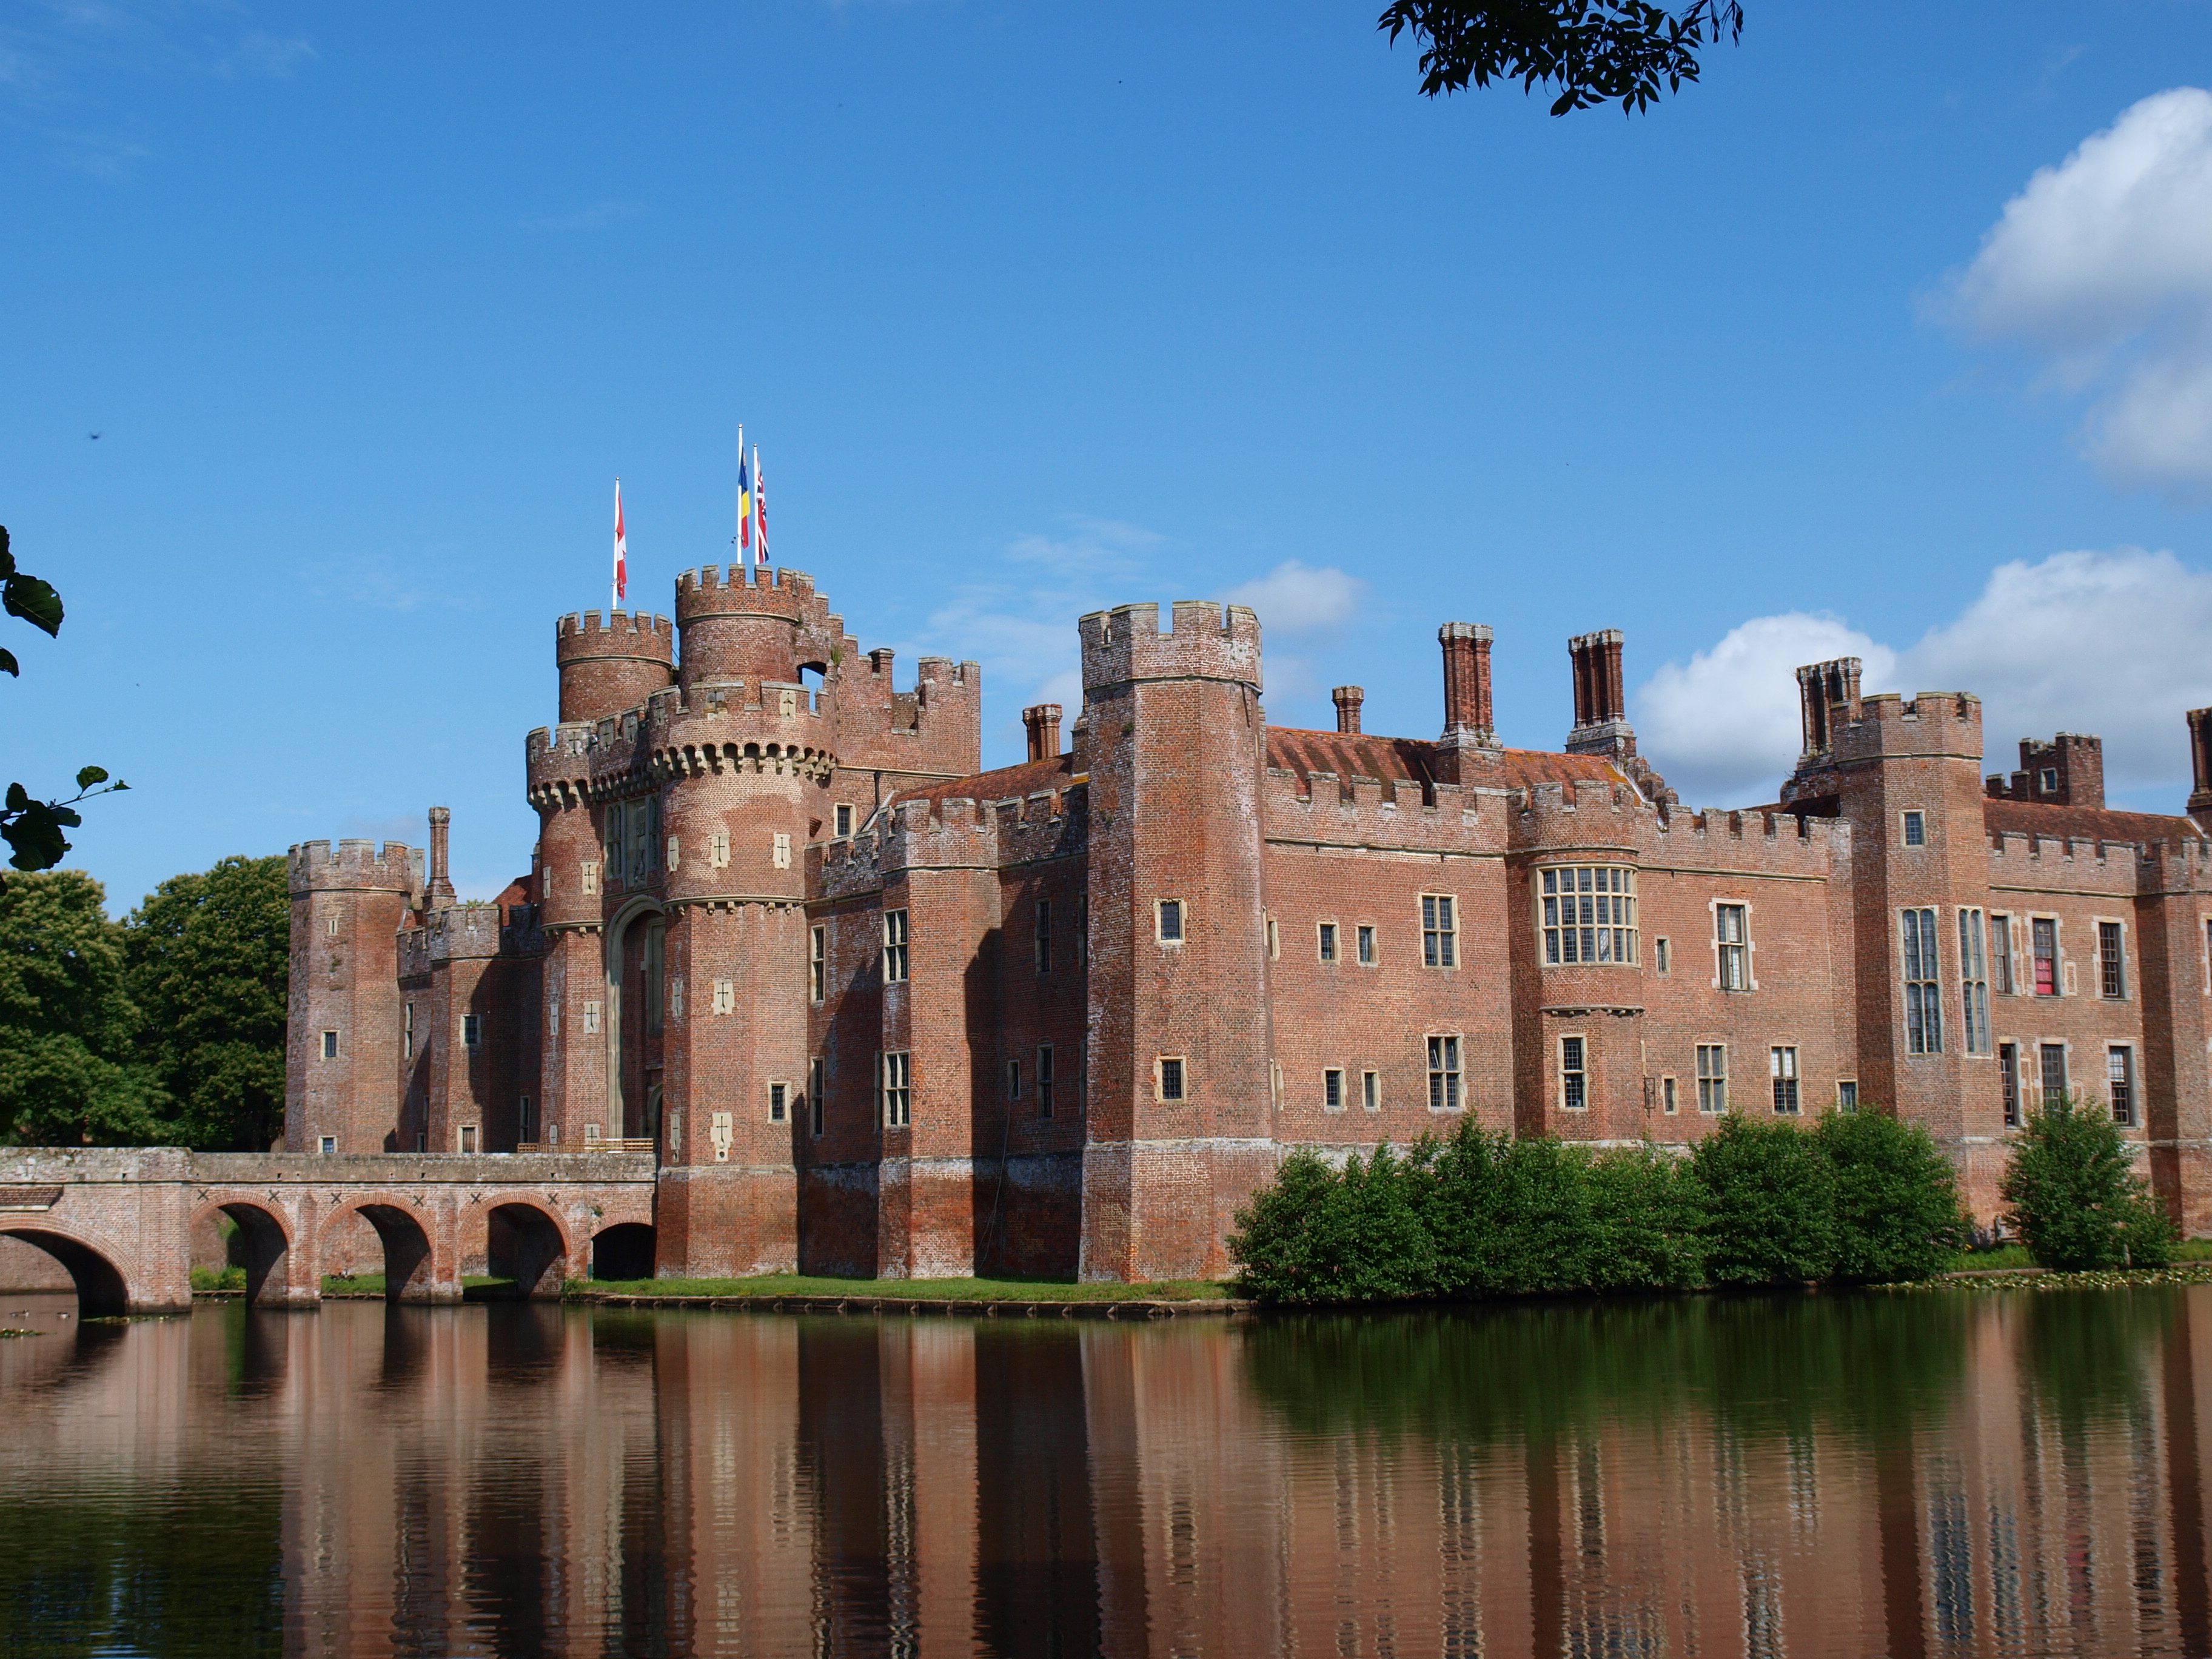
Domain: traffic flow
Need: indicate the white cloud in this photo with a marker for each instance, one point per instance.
(2103, 264)
(1293, 599)
(2106, 643)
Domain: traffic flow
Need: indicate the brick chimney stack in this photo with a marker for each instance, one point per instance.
(1467, 684)
(2200, 758)
(441, 886)
(1042, 724)
(1347, 699)
(1602, 725)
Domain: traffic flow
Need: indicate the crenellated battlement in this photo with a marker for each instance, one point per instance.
(1570, 818)
(1206, 642)
(788, 595)
(625, 633)
(1323, 809)
(1947, 723)
(315, 866)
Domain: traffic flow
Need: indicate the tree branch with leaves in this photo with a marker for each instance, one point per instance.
(33, 827)
(1594, 51)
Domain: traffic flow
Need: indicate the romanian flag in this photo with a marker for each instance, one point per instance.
(745, 498)
(622, 550)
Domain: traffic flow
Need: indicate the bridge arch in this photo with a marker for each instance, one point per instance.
(622, 1249)
(408, 1237)
(526, 1243)
(101, 1292)
(266, 1239)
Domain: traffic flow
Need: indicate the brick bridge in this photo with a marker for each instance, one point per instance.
(130, 1223)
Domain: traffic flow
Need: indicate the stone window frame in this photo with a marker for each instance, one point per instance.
(1275, 946)
(328, 1047)
(2059, 964)
(1182, 935)
(779, 1101)
(1670, 1094)
(817, 1082)
(1446, 1070)
(897, 957)
(2004, 957)
(817, 962)
(1705, 1077)
(1662, 955)
(1847, 1102)
(1047, 1079)
(1912, 821)
(1921, 937)
(1370, 1089)
(1749, 947)
(472, 1031)
(2010, 1082)
(1974, 1025)
(2129, 1094)
(840, 820)
(2106, 970)
(1181, 1075)
(1013, 1079)
(1332, 1082)
(1275, 1084)
(1572, 1079)
(326, 1146)
(526, 1121)
(1550, 928)
(407, 1034)
(1785, 1066)
(468, 1139)
(2044, 1047)
(1366, 945)
(1328, 943)
(895, 1088)
(1450, 936)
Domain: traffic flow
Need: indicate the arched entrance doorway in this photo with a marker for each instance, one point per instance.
(623, 1251)
(637, 997)
(100, 1292)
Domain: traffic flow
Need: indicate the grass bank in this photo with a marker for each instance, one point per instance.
(894, 1289)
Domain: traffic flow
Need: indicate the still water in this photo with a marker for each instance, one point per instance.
(1930, 1474)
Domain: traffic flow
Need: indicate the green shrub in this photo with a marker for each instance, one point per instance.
(1897, 1209)
(1770, 1196)
(207, 1279)
(1647, 1213)
(2075, 1202)
(1319, 1235)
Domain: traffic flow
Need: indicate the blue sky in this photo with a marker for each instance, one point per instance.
(1034, 308)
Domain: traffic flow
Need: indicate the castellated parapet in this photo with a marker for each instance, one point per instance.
(606, 668)
(880, 1011)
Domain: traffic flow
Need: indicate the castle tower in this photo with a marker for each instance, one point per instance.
(743, 763)
(1179, 1122)
(605, 669)
(344, 1037)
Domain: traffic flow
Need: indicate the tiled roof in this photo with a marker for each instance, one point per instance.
(1350, 754)
(1030, 777)
(2029, 817)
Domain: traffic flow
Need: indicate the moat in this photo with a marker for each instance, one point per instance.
(1948, 1472)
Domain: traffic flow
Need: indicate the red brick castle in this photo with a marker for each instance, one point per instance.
(882, 1012)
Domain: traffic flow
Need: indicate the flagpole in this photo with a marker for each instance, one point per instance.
(741, 491)
(613, 597)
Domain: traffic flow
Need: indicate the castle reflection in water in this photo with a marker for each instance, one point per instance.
(1950, 1473)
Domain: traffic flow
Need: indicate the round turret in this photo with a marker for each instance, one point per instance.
(606, 669)
(749, 630)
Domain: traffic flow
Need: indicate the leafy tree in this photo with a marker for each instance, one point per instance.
(2074, 1200)
(1770, 1198)
(1595, 51)
(68, 1074)
(1647, 1221)
(32, 829)
(1898, 1215)
(1321, 1236)
(208, 969)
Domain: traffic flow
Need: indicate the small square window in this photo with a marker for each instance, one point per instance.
(1172, 1080)
(844, 819)
(2049, 781)
(1916, 830)
(1366, 941)
(1328, 941)
(329, 1144)
(330, 1045)
(1170, 921)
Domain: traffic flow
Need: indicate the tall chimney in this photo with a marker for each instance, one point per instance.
(1822, 688)
(1467, 684)
(1042, 725)
(2200, 758)
(1347, 699)
(1600, 697)
(441, 886)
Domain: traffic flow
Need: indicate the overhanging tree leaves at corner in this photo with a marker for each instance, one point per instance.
(1594, 51)
(33, 827)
